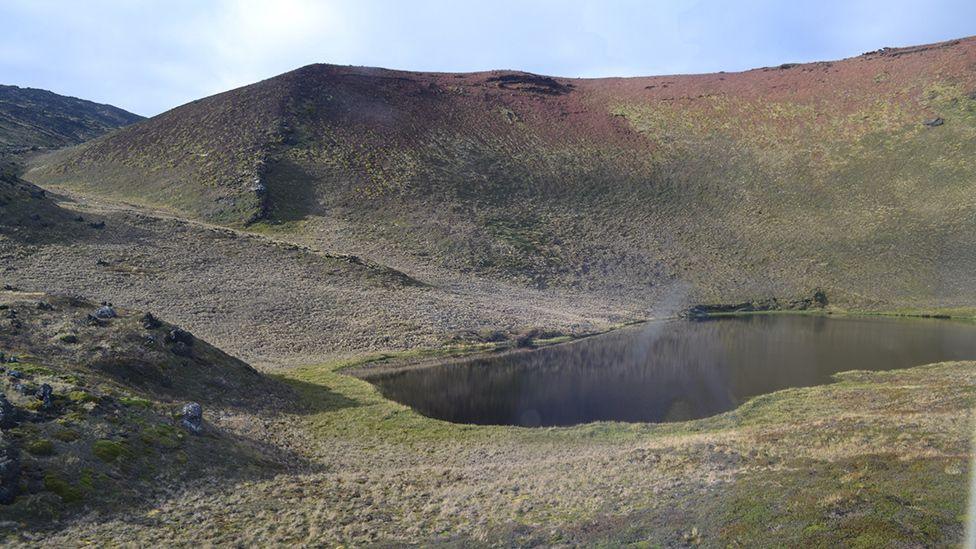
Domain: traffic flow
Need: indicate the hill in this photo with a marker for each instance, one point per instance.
(32, 119)
(854, 176)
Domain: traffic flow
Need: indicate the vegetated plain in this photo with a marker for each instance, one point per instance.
(335, 215)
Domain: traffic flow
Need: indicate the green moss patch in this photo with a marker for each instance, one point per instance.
(162, 436)
(81, 396)
(67, 435)
(41, 447)
(135, 402)
(67, 491)
(109, 451)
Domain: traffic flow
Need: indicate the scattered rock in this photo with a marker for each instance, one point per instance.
(44, 306)
(192, 418)
(98, 225)
(179, 335)
(15, 374)
(8, 413)
(181, 349)
(9, 472)
(181, 340)
(105, 311)
(820, 297)
(933, 122)
(149, 322)
(45, 393)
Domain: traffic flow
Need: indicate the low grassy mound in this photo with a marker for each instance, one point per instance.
(101, 408)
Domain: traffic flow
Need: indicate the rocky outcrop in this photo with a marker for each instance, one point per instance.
(817, 300)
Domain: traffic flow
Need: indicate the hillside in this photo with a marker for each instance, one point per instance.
(93, 410)
(729, 186)
(32, 119)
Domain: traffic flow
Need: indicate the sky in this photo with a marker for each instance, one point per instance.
(148, 56)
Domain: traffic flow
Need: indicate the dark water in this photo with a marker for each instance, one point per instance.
(671, 371)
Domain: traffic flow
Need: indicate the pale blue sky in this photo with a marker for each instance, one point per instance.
(148, 56)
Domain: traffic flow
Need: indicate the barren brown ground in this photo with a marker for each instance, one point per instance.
(274, 303)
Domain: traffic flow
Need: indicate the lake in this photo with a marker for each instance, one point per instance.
(670, 370)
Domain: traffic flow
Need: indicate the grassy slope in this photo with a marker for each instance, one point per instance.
(110, 439)
(737, 186)
(794, 459)
(871, 458)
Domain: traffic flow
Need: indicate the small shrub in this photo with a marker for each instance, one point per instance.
(62, 488)
(163, 436)
(41, 447)
(107, 450)
(67, 435)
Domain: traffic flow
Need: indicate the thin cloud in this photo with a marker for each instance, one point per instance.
(148, 55)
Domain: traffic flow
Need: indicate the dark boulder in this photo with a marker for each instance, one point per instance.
(181, 349)
(192, 419)
(820, 297)
(181, 341)
(8, 413)
(179, 335)
(9, 472)
(933, 122)
(149, 322)
(45, 393)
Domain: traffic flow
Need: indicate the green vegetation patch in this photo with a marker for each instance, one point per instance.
(135, 402)
(42, 447)
(869, 500)
(109, 451)
(162, 436)
(67, 435)
(81, 396)
(67, 491)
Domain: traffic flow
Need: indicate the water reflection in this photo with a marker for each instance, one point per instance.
(671, 371)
